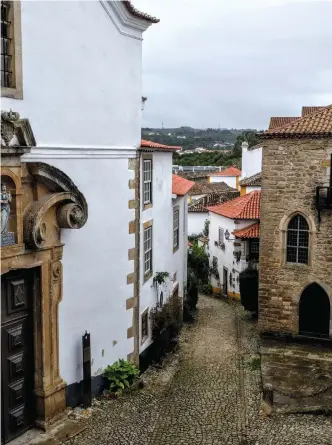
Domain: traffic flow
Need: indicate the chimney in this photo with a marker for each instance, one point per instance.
(244, 146)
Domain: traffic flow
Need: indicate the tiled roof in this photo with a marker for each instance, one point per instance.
(150, 144)
(309, 110)
(200, 205)
(276, 122)
(189, 243)
(230, 171)
(243, 207)
(181, 186)
(202, 188)
(252, 180)
(248, 232)
(194, 175)
(139, 14)
(317, 124)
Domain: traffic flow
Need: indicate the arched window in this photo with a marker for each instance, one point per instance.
(297, 240)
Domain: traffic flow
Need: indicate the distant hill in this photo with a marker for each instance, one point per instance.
(189, 138)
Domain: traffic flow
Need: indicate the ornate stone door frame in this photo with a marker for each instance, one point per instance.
(46, 201)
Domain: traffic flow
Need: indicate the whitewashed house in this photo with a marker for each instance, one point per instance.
(233, 241)
(230, 176)
(72, 76)
(163, 235)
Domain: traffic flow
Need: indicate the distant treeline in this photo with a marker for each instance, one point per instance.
(207, 138)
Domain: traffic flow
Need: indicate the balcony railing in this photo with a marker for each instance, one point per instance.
(323, 199)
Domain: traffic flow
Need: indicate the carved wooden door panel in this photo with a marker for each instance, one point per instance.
(17, 357)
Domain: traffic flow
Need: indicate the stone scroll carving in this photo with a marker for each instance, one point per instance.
(15, 132)
(71, 206)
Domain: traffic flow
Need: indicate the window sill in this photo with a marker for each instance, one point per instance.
(13, 93)
(147, 206)
(147, 276)
(175, 249)
(296, 266)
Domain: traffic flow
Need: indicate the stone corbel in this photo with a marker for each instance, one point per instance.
(71, 206)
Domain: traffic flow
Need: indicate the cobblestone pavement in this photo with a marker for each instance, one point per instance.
(208, 392)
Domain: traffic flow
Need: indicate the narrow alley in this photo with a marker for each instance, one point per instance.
(208, 392)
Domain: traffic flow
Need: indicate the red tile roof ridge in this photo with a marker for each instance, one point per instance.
(150, 144)
(229, 171)
(243, 207)
(281, 121)
(181, 186)
(298, 127)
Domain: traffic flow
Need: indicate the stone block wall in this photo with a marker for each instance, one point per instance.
(291, 170)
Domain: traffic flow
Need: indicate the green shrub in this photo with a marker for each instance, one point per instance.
(198, 262)
(191, 298)
(205, 289)
(121, 375)
(249, 289)
(168, 317)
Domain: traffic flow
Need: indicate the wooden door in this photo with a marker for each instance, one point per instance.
(17, 355)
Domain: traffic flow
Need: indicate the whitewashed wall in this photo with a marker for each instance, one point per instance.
(161, 214)
(252, 188)
(229, 180)
(82, 95)
(81, 77)
(251, 161)
(225, 256)
(180, 257)
(196, 222)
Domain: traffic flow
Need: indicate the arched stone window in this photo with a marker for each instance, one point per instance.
(297, 240)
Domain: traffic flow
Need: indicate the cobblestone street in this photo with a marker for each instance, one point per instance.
(207, 393)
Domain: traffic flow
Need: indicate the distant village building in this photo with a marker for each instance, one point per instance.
(295, 295)
(230, 176)
(197, 210)
(233, 241)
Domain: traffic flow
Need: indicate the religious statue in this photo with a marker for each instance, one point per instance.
(6, 198)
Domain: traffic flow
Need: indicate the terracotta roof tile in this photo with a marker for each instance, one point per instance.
(189, 243)
(141, 15)
(243, 207)
(181, 186)
(200, 205)
(248, 232)
(276, 122)
(252, 180)
(310, 110)
(317, 124)
(230, 171)
(150, 144)
(202, 188)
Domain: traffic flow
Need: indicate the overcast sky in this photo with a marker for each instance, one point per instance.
(235, 63)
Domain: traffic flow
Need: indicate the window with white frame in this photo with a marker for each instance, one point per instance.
(147, 250)
(298, 240)
(176, 221)
(147, 181)
(221, 236)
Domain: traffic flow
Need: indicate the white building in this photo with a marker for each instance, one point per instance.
(230, 176)
(78, 82)
(233, 241)
(163, 235)
(251, 160)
